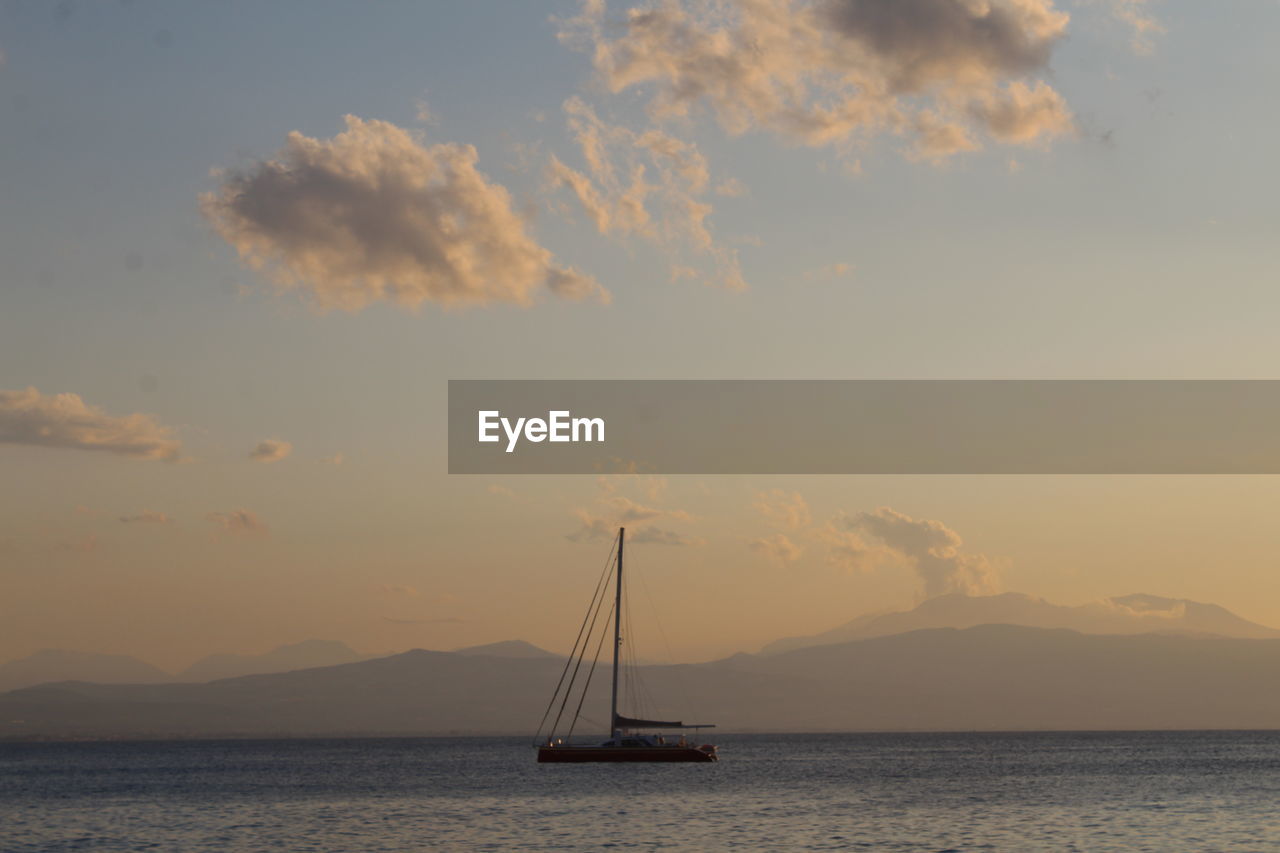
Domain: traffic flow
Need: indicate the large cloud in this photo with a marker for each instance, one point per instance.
(939, 72)
(374, 214)
(65, 420)
(930, 547)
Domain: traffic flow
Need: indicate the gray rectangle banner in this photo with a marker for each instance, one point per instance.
(864, 426)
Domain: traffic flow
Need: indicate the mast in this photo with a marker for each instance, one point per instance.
(617, 638)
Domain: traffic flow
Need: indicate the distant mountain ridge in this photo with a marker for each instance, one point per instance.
(1126, 614)
(508, 649)
(303, 655)
(61, 665)
(987, 678)
(52, 665)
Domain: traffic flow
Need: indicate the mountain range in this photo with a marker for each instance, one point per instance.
(991, 677)
(1128, 614)
(1002, 662)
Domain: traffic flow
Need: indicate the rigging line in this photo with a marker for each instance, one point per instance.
(635, 682)
(600, 585)
(628, 650)
(676, 672)
(578, 712)
(568, 690)
(644, 706)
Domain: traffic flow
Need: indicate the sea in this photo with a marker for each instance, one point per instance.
(1157, 791)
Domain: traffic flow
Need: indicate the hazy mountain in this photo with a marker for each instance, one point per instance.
(58, 665)
(304, 655)
(508, 649)
(1128, 614)
(993, 677)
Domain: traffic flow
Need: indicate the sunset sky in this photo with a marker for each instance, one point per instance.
(245, 246)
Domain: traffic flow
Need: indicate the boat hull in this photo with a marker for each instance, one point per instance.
(578, 754)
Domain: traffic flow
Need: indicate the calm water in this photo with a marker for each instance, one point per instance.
(1088, 792)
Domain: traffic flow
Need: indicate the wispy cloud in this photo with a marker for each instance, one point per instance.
(1136, 14)
(270, 450)
(374, 214)
(647, 183)
(613, 509)
(238, 522)
(147, 516)
(779, 548)
(783, 509)
(66, 421)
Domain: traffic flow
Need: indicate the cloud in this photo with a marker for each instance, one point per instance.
(649, 184)
(626, 511)
(270, 450)
(238, 522)
(786, 510)
(651, 535)
(64, 420)
(732, 188)
(778, 548)
(147, 516)
(599, 529)
(1135, 14)
(335, 459)
(829, 272)
(929, 547)
(503, 491)
(86, 544)
(614, 509)
(837, 72)
(374, 215)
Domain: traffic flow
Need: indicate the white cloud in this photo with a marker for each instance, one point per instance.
(64, 420)
(270, 450)
(374, 214)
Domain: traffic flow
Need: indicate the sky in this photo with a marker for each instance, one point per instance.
(246, 245)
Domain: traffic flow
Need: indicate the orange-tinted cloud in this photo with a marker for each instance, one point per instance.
(65, 420)
(238, 522)
(374, 214)
(839, 71)
(931, 548)
(646, 183)
(147, 516)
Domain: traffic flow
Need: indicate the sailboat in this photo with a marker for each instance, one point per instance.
(626, 742)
